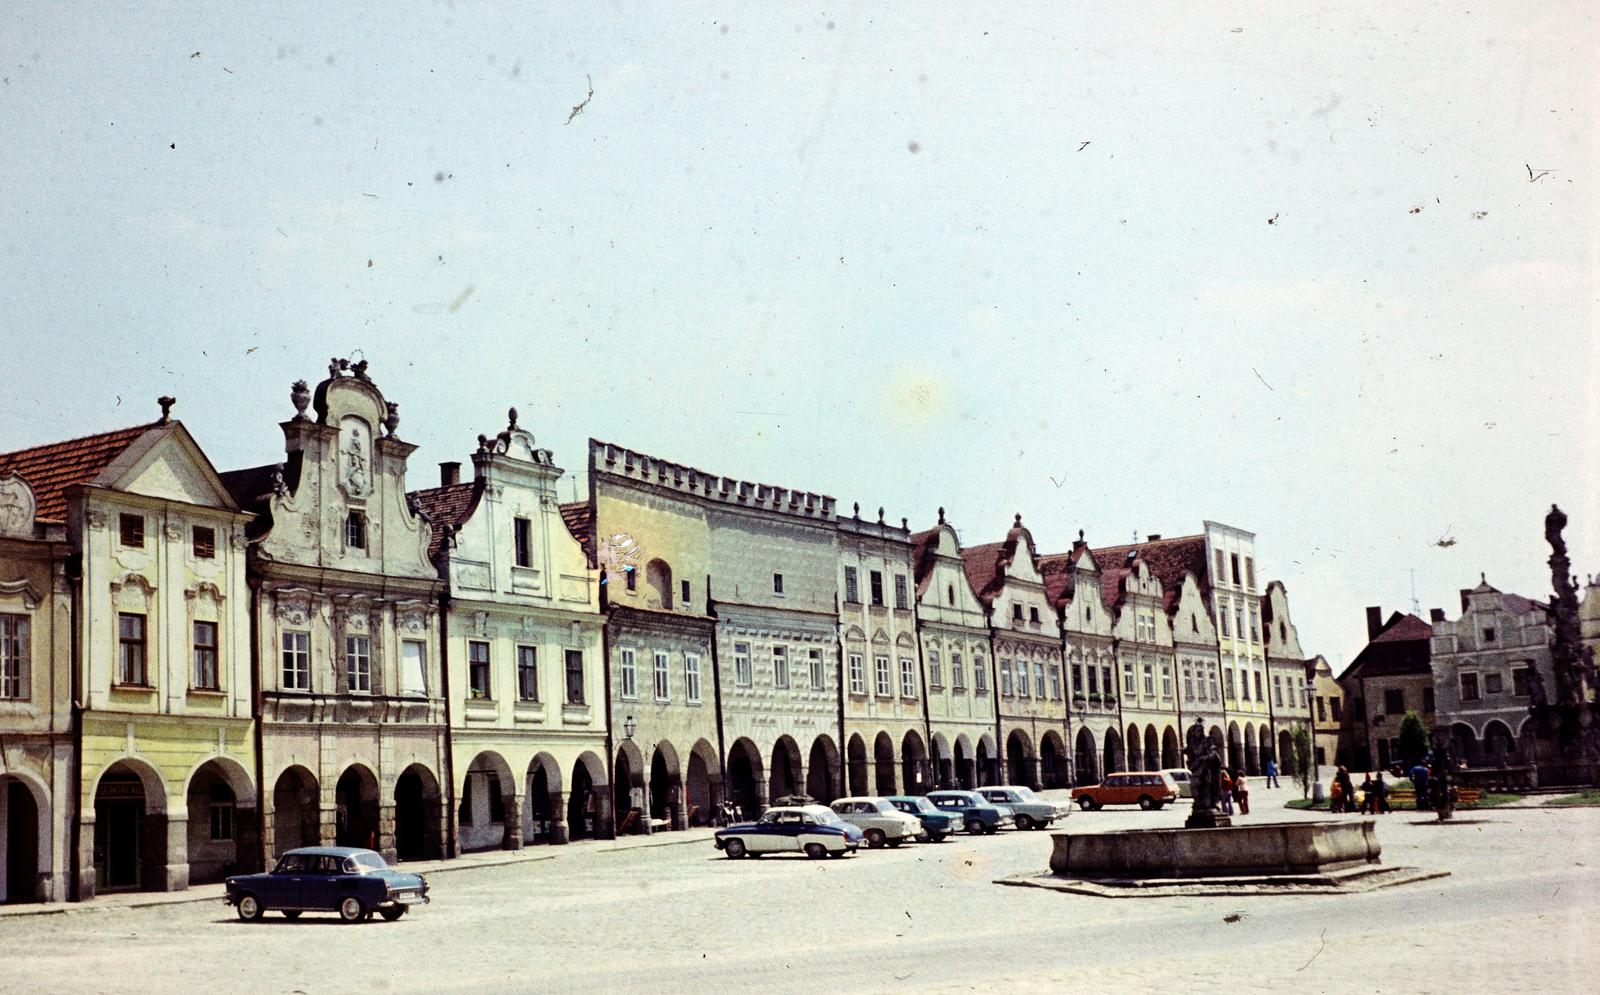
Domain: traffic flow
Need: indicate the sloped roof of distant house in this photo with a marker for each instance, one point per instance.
(1516, 604)
(579, 518)
(1059, 571)
(1168, 560)
(446, 508)
(1400, 647)
(51, 469)
(923, 545)
(986, 564)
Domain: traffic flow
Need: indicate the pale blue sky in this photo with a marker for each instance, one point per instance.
(858, 250)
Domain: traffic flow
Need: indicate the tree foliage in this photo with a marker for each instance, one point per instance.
(1413, 739)
(1300, 758)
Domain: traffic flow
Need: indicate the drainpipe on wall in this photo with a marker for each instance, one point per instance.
(253, 584)
(74, 866)
(922, 665)
(449, 764)
(838, 653)
(716, 689)
(605, 655)
(994, 677)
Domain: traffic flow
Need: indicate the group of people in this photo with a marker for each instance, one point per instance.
(1231, 788)
(1372, 798)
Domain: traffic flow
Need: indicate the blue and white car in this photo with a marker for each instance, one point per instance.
(809, 829)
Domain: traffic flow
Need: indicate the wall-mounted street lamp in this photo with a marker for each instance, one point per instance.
(628, 727)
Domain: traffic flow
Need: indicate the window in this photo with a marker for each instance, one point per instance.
(780, 666)
(1255, 623)
(935, 670)
(1055, 681)
(629, 675)
(355, 530)
(691, 677)
(1212, 679)
(663, 686)
(522, 530)
(1238, 620)
(1038, 680)
(1469, 687)
(1127, 679)
(1227, 682)
(858, 675)
(1105, 680)
(1322, 709)
(1222, 577)
(203, 542)
(130, 530)
(958, 675)
(413, 667)
(880, 668)
(902, 592)
(908, 677)
(359, 664)
(1094, 681)
(575, 677)
(1250, 572)
(1488, 633)
(876, 579)
(478, 670)
(1520, 686)
(852, 592)
(1277, 689)
(1166, 680)
(819, 680)
(1146, 626)
(950, 594)
(1033, 614)
(1333, 706)
(1150, 679)
(528, 671)
(14, 655)
(296, 652)
(777, 583)
(683, 593)
(980, 676)
(205, 656)
(1016, 611)
(1222, 620)
(1493, 683)
(1234, 559)
(1427, 699)
(221, 817)
(1188, 683)
(741, 665)
(1394, 701)
(1022, 678)
(632, 576)
(1005, 678)
(131, 650)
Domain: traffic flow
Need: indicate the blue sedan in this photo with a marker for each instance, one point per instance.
(978, 814)
(350, 881)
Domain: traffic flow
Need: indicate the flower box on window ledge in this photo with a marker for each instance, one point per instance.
(1111, 701)
(1094, 698)
(1078, 700)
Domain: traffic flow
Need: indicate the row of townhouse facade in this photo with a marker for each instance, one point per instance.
(202, 670)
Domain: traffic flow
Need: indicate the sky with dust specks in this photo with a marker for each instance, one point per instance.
(1327, 276)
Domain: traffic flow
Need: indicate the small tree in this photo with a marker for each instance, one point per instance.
(1413, 740)
(1300, 759)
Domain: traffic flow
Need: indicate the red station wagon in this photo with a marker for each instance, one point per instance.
(1148, 790)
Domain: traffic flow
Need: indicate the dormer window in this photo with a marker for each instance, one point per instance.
(950, 595)
(1033, 615)
(523, 529)
(355, 530)
(130, 531)
(1488, 633)
(777, 583)
(204, 543)
(1016, 611)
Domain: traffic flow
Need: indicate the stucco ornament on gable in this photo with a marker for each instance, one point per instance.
(16, 506)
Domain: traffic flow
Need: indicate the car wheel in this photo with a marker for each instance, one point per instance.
(875, 838)
(936, 837)
(1086, 803)
(734, 849)
(1024, 822)
(352, 909)
(991, 830)
(249, 908)
(974, 827)
(836, 854)
(291, 913)
(1146, 802)
(1158, 806)
(392, 913)
(816, 851)
(895, 843)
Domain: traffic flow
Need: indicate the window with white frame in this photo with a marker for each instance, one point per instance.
(1105, 680)
(1005, 678)
(958, 673)
(1127, 678)
(1055, 681)
(1211, 678)
(1222, 620)
(1277, 689)
(1261, 694)
(852, 592)
(1038, 680)
(629, 675)
(358, 664)
(908, 677)
(780, 666)
(980, 676)
(902, 592)
(935, 670)
(858, 675)
(205, 656)
(1022, 678)
(819, 679)
(1255, 623)
(528, 672)
(15, 653)
(413, 666)
(478, 669)
(1166, 679)
(691, 677)
(355, 530)
(1150, 679)
(663, 678)
(575, 689)
(296, 658)
(741, 665)
(1227, 676)
(885, 680)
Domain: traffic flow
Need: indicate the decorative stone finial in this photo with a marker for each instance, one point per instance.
(1018, 523)
(858, 509)
(1080, 535)
(337, 366)
(391, 421)
(511, 417)
(360, 370)
(905, 523)
(941, 515)
(483, 443)
(300, 397)
(166, 408)
(880, 515)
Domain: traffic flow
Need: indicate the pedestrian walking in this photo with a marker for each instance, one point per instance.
(1225, 792)
(1272, 773)
(1336, 796)
(1419, 784)
(1380, 799)
(1241, 793)
(1368, 796)
(1347, 790)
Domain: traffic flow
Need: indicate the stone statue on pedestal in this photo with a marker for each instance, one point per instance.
(1205, 778)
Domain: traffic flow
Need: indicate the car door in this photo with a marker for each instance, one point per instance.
(280, 889)
(320, 882)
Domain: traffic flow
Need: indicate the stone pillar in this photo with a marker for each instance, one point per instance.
(85, 857)
(385, 839)
(513, 823)
(559, 833)
(675, 817)
(247, 839)
(176, 844)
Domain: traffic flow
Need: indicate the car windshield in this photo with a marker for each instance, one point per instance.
(882, 805)
(356, 863)
(921, 805)
(825, 818)
(1025, 794)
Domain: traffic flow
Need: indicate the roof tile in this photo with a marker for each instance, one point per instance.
(51, 469)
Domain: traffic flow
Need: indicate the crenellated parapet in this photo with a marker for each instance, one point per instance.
(607, 458)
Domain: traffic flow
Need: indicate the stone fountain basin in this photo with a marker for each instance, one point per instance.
(1257, 849)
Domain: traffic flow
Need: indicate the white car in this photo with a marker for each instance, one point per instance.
(878, 819)
(809, 829)
(1030, 811)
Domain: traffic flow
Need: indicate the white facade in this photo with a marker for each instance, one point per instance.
(953, 631)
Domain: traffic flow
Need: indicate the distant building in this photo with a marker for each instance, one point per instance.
(1094, 727)
(1389, 677)
(1327, 712)
(1288, 673)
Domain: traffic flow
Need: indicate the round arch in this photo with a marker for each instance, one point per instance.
(627, 789)
(487, 814)
(882, 764)
(944, 772)
(915, 773)
(1135, 748)
(220, 800)
(1020, 765)
(785, 776)
(821, 765)
(589, 801)
(130, 808)
(1084, 760)
(964, 763)
(296, 810)
(746, 785)
(856, 765)
(27, 838)
(355, 808)
(666, 786)
(543, 814)
(419, 816)
(1252, 758)
(1267, 752)
(1499, 748)
(1171, 752)
(1235, 747)
(703, 784)
(1152, 749)
(1052, 760)
(1286, 751)
(1111, 757)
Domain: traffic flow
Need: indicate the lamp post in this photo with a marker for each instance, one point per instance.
(1311, 721)
(629, 725)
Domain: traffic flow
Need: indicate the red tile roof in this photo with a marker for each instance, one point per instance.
(446, 507)
(51, 469)
(1168, 560)
(579, 517)
(923, 545)
(986, 568)
(1404, 628)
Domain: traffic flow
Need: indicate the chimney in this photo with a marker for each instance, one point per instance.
(1153, 537)
(1374, 621)
(449, 473)
(1466, 596)
(1435, 615)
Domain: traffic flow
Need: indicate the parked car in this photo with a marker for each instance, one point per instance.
(351, 881)
(1028, 809)
(878, 820)
(1149, 790)
(936, 824)
(1180, 777)
(978, 815)
(810, 829)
